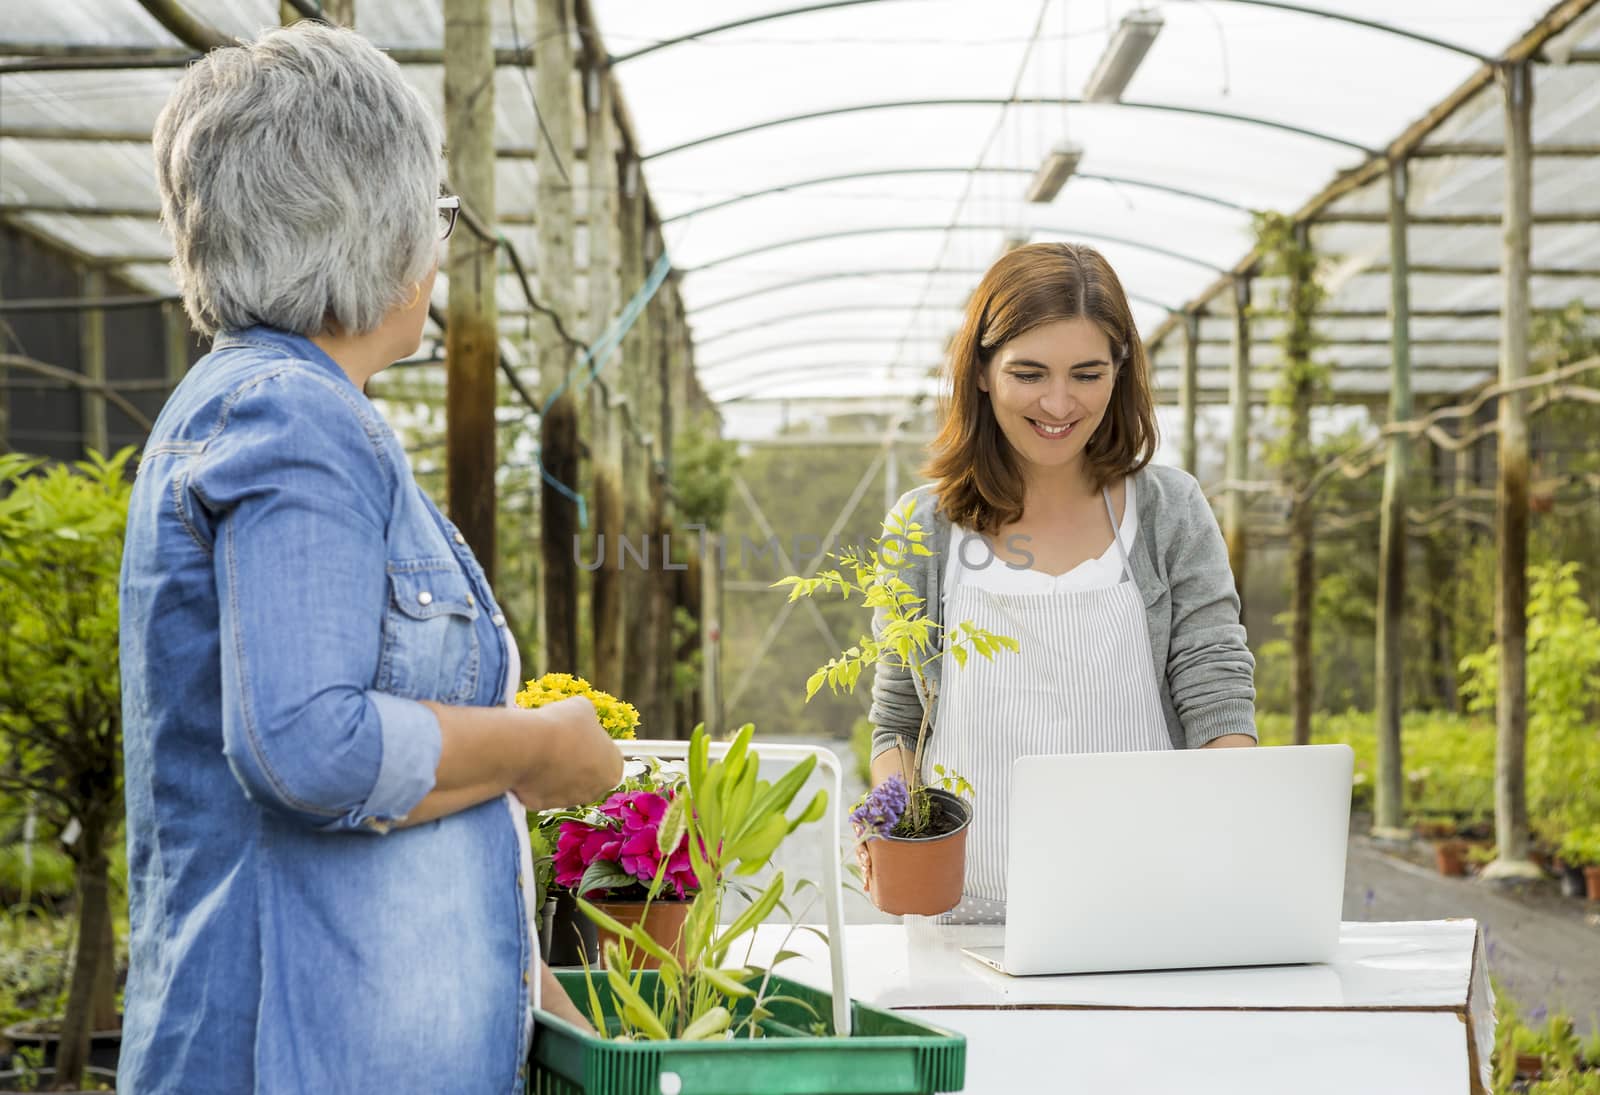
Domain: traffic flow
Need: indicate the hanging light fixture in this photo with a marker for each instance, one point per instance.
(1125, 51)
(1053, 174)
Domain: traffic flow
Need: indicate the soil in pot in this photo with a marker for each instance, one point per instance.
(43, 1079)
(923, 875)
(105, 1046)
(663, 922)
(1451, 858)
(569, 938)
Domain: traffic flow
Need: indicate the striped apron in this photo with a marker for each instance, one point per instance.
(1082, 682)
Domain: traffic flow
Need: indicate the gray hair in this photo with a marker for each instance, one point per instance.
(298, 176)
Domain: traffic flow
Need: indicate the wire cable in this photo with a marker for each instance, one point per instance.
(522, 69)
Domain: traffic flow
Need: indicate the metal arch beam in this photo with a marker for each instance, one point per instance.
(829, 370)
(1368, 24)
(707, 32)
(890, 229)
(812, 313)
(815, 279)
(801, 184)
(901, 104)
(704, 367)
(1298, 9)
(186, 27)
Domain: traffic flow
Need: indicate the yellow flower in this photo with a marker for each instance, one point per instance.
(618, 718)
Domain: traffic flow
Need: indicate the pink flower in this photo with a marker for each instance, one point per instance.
(633, 843)
(579, 845)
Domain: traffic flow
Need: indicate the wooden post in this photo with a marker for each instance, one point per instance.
(1441, 584)
(605, 600)
(1302, 508)
(175, 325)
(661, 514)
(646, 522)
(711, 634)
(630, 254)
(1188, 382)
(558, 428)
(1239, 438)
(1389, 802)
(471, 334)
(92, 351)
(1511, 492)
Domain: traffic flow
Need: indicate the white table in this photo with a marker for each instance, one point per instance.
(1405, 1008)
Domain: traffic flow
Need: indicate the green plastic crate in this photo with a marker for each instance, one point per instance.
(887, 1054)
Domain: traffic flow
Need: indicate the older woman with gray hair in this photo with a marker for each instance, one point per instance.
(328, 861)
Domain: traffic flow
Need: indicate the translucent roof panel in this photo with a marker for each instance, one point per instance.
(921, 232)
(832, 183)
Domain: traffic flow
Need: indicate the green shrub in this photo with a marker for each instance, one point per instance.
(35, 951)
(1448, 760)
(1563, 669)
(51, 877)
(1580, 847)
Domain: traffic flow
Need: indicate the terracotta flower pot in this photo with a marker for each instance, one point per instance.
(1591, 878)
(922, 876)
(1530, 1066)
(1451, 858)
(663, 921)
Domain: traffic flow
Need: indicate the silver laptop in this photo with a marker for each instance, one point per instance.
(1175, 860)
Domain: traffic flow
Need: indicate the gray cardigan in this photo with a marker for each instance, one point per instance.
(1180, 564)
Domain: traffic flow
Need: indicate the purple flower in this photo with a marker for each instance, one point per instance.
(880, 808)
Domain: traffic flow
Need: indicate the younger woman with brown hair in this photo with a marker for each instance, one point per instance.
(1048, 523)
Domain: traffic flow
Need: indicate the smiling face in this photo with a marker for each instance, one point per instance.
(1049, 388)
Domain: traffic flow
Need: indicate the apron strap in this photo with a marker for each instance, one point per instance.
(1116, 534)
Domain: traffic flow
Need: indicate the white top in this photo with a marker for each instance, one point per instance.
(972, 561)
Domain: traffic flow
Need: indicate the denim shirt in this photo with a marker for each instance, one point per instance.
(288, 595)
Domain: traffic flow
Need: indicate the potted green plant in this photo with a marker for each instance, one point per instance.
(61, 533)
(918, 858)
(1581, 848)
(704, 1016)
(617, 858)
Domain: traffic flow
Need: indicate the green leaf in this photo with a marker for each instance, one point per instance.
(604, 874)
(756, 848)
(813, 812)
(634, 1009)
(709, 1025)
(752, 916)
(615, 927)
(674, 824)
(960, 655)
(725, 981)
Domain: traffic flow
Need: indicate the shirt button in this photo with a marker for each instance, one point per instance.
(470, 601)
(524, 977)
(460, 539)
(499, 619)
(425, 598)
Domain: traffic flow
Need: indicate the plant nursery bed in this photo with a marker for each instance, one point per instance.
(887, 1054)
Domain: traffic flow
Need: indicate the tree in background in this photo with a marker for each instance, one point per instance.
(61, 534)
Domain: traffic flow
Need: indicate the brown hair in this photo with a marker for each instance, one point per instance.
(977, 480)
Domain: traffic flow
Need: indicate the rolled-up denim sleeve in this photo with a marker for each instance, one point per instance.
(298, 488)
